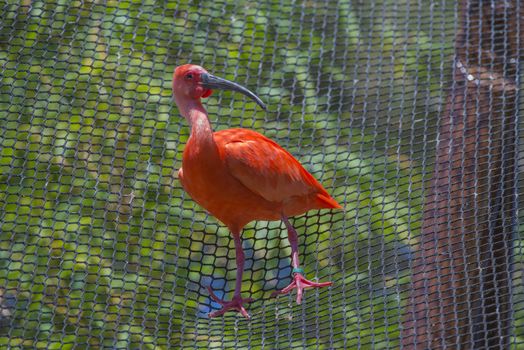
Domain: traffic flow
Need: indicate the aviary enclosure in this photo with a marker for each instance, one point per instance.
(408, 112)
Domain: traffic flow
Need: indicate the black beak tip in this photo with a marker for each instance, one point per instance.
(262, 104)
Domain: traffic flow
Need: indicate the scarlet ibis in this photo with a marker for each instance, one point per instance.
(239, 175)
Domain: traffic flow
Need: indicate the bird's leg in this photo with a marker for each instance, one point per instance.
(237, 302)
(299, 281)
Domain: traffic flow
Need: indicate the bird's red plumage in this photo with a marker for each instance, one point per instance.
(250, 177)
(239, 175)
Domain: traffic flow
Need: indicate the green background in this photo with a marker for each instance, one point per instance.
(100, 246)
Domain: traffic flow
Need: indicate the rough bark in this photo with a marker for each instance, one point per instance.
(460, 297)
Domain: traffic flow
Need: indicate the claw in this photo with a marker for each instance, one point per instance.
(300, 283)
(236, 304)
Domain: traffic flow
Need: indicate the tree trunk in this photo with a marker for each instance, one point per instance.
(460, 296)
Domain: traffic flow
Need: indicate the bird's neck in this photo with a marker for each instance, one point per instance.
(201, 137)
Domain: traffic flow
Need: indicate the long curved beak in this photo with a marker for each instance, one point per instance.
(209, 81)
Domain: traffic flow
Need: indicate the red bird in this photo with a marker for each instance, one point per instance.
(239, 175)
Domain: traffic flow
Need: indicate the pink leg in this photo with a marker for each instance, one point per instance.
(237, 302)
(299, 281)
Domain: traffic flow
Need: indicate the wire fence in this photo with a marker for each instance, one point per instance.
(100, 247)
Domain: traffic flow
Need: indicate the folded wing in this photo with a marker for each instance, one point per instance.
(264, 167)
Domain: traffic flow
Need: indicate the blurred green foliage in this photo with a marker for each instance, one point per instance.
(99, 245)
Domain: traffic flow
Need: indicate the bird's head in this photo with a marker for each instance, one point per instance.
(194, 82)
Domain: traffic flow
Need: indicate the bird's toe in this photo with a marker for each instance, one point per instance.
(236, 304)
(300, 283)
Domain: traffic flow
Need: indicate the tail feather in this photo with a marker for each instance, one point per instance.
(327, 202)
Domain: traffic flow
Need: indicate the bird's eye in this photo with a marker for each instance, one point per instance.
(189, 76)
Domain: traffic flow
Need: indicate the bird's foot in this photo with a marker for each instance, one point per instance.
(300, 283)
(235, 304)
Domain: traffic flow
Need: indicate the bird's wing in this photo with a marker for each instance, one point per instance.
(264, 167)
